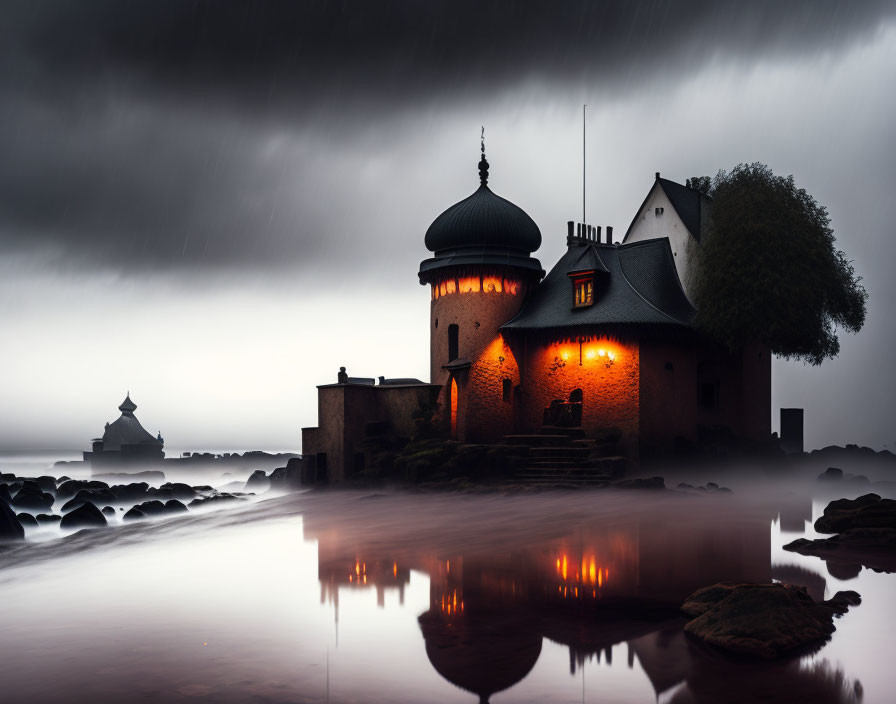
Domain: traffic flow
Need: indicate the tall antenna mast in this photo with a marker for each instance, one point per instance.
(584, 219)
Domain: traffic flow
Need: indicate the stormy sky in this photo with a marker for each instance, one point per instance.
(216, 204)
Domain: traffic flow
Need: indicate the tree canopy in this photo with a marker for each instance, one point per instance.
(769, 269)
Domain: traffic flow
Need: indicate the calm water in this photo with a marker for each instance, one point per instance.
(359, 597)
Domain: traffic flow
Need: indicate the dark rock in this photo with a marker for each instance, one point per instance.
(287, 478)
(63, 479)
(47, 483)
(85, 516)
(134, 491)
(874, 548)
(843, 570)
(7, 477)
(841, 601)
(71, 487)
(4, 494)
(48, 518)
(72, 504)
(180, 491)
(868, 511)
(641, 483)
(108, 511)
(174, 506)
(764, 620)
(30, 496)
(97, 496)
(10, 528)
(27, 520)
(258, 481)
(831, 474)
(134, 514)
(152, 508)
(203, 487)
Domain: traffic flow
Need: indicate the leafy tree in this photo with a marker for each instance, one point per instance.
(700, 183)
(769, 269)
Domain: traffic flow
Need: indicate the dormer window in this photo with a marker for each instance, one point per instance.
(583, 290)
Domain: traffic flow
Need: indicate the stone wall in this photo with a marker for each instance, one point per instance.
(607, 373)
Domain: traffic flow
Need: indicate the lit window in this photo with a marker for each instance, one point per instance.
(584, 292)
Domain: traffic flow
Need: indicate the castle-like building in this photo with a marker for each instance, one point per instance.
(606, 340)
(125, 441)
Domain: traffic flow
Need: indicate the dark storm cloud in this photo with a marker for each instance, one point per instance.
(139, 134)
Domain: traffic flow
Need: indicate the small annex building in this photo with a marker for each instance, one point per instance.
(125, 441)
(604, 342)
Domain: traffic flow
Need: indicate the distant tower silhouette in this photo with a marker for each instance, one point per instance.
(480, 273)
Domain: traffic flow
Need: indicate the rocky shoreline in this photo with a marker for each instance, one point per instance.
(865, 530)
(28, 503)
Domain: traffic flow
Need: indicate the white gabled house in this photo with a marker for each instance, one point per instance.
(679, 213)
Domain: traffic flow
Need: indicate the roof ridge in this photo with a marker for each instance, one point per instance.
(641, 296)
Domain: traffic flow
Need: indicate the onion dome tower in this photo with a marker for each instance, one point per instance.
(480, 273)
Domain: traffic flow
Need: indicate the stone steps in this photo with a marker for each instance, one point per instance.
(537, 440)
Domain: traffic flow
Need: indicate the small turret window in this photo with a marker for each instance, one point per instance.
(584, 292)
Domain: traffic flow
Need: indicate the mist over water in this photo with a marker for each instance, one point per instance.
(381, 597)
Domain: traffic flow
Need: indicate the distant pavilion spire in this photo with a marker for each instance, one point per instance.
(127, 406)
(483, 164)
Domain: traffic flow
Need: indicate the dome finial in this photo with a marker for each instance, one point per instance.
(483, 164)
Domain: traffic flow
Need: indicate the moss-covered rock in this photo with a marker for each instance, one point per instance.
(763, 620)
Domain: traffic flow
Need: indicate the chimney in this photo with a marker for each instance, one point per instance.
(570, 229)
(657, 175)
(578, 229)
(609, 234)
(588, 232)
(597, 234)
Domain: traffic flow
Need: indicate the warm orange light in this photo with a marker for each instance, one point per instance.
(469, 284)
(453, 392)
(511, 287)
(394, 569)
(600, 581)
(357, 567)
(589, 354)
(563, 570)
(491, 284)
(448, 566)
(592, 569)
(365, 579)
(565, 356)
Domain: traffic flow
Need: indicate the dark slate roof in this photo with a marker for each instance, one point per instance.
(126, 430)
(641, 288)
(691, 205)
(686, 202)
(588, 260)
(483, 219)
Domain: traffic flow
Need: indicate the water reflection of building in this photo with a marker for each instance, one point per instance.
(357, 573)
(492, 603)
